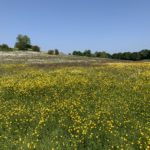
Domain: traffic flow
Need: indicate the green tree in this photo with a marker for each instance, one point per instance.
(51, 52)
(102, 54)
(145, 54)
(117, 56)
(56, 52)
(36, 48)
(77, 53)
(5, 47)
(87, 53)
(23, 42)
(135, 56)
(126, 56)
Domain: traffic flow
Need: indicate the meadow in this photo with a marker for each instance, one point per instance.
(89, 106)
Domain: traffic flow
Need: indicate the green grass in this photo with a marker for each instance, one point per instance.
(76, 106)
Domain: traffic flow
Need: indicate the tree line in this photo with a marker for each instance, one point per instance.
(143, 54)
(23, 43)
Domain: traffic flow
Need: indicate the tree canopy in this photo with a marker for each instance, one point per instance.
(5, 47)
(143, 54)
(53, 52)
(23, 42)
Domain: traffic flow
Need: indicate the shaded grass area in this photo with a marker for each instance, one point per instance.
(67, 64)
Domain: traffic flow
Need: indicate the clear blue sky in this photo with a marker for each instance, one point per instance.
(111, 25)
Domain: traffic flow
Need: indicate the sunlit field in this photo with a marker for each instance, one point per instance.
(75, 107)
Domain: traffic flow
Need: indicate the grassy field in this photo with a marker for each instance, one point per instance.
(74, 103)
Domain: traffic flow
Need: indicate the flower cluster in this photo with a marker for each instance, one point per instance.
(105, 107)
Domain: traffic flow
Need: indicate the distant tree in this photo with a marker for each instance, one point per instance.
(102, 54)
(117, 56)
(87, 53)
(36, 48)
(77, 53)
(51, 52)
(23, 42)
(114, 56)
(5, 47)
(126, 56)
(145, 54)
(56, 51)
(120, 56)
(135, 56)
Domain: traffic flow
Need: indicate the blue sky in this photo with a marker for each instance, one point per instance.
(110, 25)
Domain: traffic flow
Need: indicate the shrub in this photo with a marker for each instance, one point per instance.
(56, 52)
(36, 48)
(5, 47)
(50, 52)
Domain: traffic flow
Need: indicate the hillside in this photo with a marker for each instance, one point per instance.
(42, 57)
